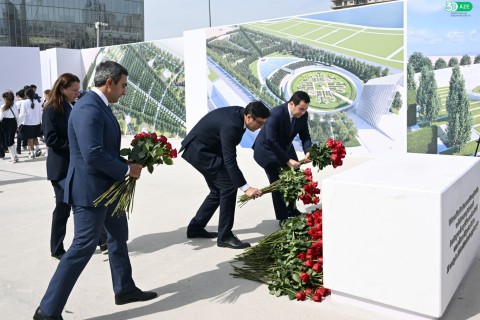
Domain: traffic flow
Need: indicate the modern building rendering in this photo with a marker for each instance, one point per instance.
(340, 4)
(70, 24)
(377, 97)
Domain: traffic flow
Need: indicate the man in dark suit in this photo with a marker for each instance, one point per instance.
(210, 147)
(273, 147)
(95, 164)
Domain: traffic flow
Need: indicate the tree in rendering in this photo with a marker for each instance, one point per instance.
(477, 59)
(440, 64)
(343, 126)
(411, 84)
(453, 62)
(466, 60)
(428, 100)
(459, 123)
(418, 61)
(397, 102)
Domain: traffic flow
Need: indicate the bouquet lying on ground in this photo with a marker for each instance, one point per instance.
(289, 261)
(148, 150)
(297, 183)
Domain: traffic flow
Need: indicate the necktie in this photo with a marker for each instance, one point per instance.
(292, 124)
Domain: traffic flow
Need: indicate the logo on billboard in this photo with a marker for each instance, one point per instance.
(458, 8)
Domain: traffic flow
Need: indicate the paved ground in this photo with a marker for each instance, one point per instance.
(192, 277)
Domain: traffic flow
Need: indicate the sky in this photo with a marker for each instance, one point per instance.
(434, 31)
(167, 18)
(430, 28)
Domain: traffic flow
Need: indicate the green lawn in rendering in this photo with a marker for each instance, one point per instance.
(325, 89)
(381, 45)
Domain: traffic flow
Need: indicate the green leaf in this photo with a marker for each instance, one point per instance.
(125, 152)
(150, 168)
(296, 277)
(168, 161)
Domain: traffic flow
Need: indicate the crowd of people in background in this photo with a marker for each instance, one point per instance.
(21, 118)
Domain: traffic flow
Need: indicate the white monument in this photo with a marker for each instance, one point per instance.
(400, 232)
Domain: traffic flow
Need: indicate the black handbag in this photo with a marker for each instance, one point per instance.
(20, 132)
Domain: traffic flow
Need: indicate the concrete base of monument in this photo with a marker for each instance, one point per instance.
(387, 310)
(402, 231)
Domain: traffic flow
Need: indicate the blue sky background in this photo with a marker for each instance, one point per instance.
(387, 15)
(433, 31)
(169, 18)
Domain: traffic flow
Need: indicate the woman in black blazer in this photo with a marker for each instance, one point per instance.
(65, 91)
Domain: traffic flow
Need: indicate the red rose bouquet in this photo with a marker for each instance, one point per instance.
(289, 261)
(148, 150)
(297, 183)
(330, 153)
(293, 185)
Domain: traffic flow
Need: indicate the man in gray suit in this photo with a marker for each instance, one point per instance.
(95, 165)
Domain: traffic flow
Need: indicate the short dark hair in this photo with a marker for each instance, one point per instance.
(299, 96)
(21, 93)
(108, 69)
(257, 109)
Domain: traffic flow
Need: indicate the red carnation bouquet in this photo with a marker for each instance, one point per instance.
(293, 184)
(148, 150)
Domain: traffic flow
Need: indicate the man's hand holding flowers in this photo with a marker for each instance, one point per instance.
(147, 150)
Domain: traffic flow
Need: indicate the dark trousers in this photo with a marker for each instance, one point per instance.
(59, 221)
(21, 143)
(88, 225)
(2, 145)
(222, 194)
(282, 212)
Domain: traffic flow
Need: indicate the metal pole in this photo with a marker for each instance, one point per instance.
(209, 14)
(97, 25)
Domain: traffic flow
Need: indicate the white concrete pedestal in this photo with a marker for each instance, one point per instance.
(402, 231)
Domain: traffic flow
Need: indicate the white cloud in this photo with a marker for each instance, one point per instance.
(424, 36)
(455, 37)
(425, 6)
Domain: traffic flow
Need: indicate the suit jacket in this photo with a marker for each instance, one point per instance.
(212, 143)
(95, 161)
(55, 126)
(273, 145)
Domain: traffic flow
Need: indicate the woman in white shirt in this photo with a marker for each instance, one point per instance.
(30, 118)
(8, 116)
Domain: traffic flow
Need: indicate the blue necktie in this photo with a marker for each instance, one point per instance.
(292, 124)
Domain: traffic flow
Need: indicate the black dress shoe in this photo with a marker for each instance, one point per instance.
(103, 248)
(57, 256)
(232, 242)
(134, 296)
(40, 315)
(202, 233)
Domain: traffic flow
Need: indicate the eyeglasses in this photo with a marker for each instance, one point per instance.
(261, 123)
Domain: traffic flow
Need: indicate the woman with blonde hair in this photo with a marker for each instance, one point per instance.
(8, 117)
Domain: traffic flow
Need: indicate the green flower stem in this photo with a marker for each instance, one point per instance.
(243, 199)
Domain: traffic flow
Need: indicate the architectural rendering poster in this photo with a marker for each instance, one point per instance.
(443, 81)
(350, 62)
(155, 99)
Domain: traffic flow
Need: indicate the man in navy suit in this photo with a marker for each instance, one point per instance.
(95, 164)
(273, 147)
(210, 147)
